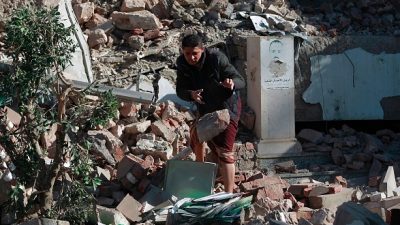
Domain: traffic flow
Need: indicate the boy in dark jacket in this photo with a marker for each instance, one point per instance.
(206, 77)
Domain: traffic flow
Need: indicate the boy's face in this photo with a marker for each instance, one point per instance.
(192, 55)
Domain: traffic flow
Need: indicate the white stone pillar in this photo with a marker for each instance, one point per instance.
(270, 93)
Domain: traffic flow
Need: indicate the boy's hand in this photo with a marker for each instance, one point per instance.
(196, 96)
(228, 83)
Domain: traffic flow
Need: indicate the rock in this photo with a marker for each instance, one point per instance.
(161, 149)
(137, 128)
(96, 21)
(310, 135)
(136, 42)
(139, 19)
(128, 109)
(133, 5)
(160, 129)
(331, 201)
(288, 167)
(160, 8)
(84, 11)
(112, 142)
(130, 163)
(212, 124)
(99, 147)
(96, 38)
(338, 157)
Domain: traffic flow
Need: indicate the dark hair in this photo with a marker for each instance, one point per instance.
(192, 41)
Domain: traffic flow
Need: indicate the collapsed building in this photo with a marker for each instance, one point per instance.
(132, 45)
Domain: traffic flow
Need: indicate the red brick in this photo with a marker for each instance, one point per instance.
(267, 181)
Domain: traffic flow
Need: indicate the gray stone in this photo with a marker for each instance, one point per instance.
(310, 135)
(99, 146)
(136, 42)
(112, 142)
(338, 157)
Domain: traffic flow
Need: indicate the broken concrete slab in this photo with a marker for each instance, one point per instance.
(388, 183)
(111, 216)
(130, 208)
(331, 200)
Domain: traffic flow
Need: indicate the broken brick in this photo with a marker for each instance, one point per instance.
(130, 163)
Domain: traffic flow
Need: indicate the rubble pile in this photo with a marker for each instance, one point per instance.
(353, 150)
(131, 154)
(364, 17)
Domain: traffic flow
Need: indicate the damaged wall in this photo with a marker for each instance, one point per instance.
(371, 94)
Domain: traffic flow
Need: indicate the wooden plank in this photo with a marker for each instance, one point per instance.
(120, 93)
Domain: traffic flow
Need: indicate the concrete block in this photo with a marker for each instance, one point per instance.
(389, 202)
(388, 183)
(331, 200)
(310, 135)
(111, 216)
(316, 190)
(130, 208)
(298, 189)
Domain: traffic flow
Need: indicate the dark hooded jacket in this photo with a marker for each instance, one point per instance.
(213, 68)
